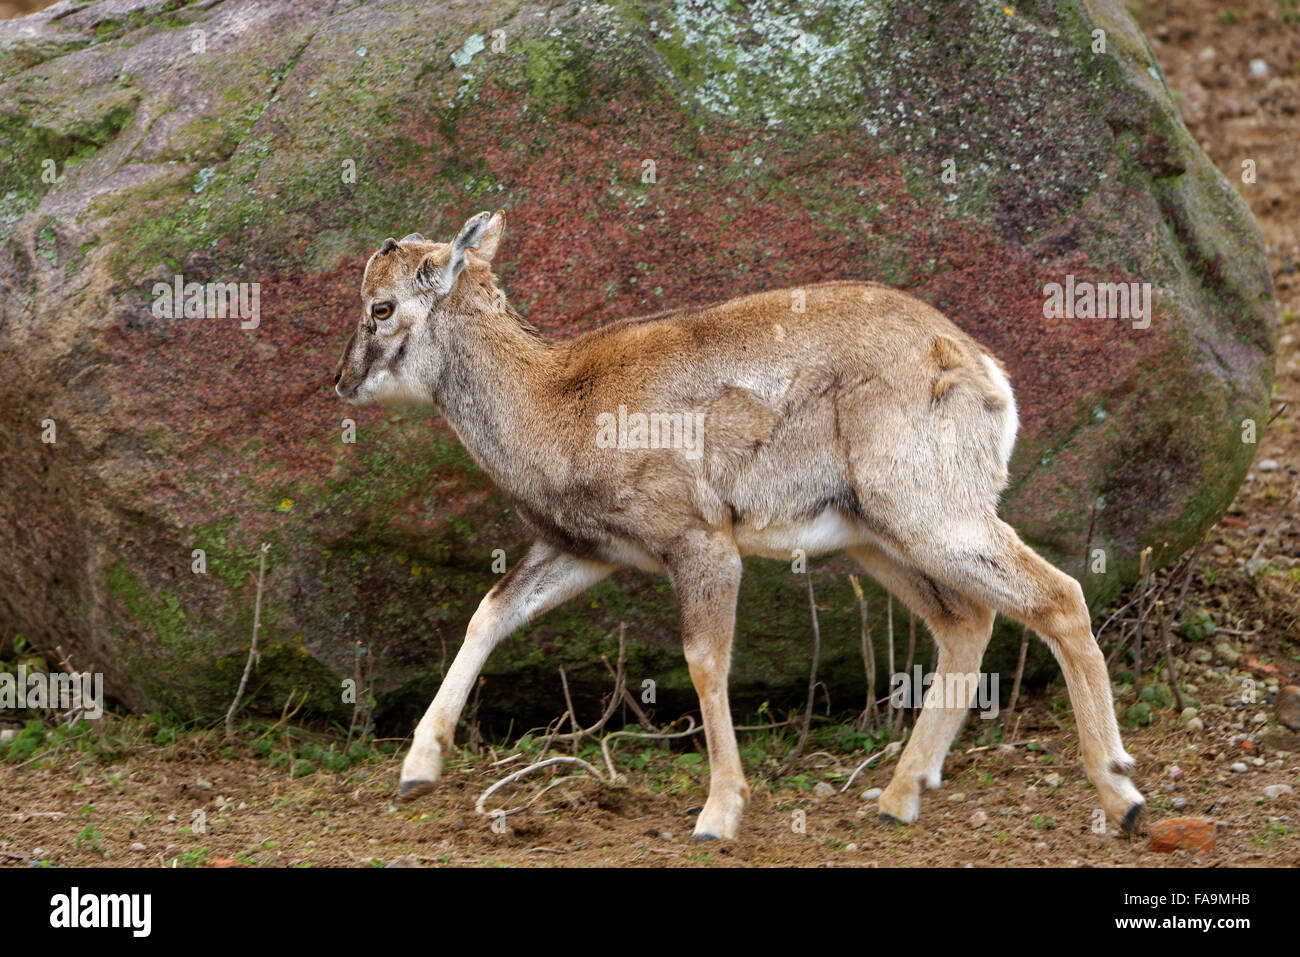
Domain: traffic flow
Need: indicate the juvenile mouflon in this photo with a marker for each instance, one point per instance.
(840, 416)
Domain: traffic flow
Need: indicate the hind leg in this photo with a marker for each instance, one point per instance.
(961, 628)
(986, 559)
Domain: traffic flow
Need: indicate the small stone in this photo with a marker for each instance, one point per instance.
(1053, 780)
(1275, 791)
(957, 796)
(205, 785)
(1238, 767)
(978, 819)
(7, 735)
(406, 860)
(1183, 833)
(665, 835)
(1196, 725)
(850, 847)
(1268, 465)
(1176, 773)
(1179, 803)
(138, 847)
(823, 790)
(1226, 653)
(1259, 718)
(1258, 762)
(1287, 707)
(1188, 714)
(870, 794)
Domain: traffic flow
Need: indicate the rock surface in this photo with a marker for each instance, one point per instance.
(649, 156)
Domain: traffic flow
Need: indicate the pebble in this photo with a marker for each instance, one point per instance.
(1227, 654)
(1275, 791)
(205, 785)
(1053, 780)
(823, 790)
(1188, 714)
(7, 735)
(1183, 833)
(666, 835)
(870, 794)
(1287, 707)
(138, 847)
(1268, 465)
(1260, 718)
(1178, 803)
(1238, 767)
(1176, 773)
(957, 796)
(978, 819)
(1196, 725)
(850, 847)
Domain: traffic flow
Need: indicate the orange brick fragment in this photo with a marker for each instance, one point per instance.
(1183, 833)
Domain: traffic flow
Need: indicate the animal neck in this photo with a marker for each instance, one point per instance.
(494, 377)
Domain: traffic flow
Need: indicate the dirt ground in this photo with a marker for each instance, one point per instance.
(998, 806)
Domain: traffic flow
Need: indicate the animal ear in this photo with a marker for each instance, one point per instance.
(388, 246)
(487, 246)
(413, 238)
(442, 277)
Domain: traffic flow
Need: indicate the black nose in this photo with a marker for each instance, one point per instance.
(337, 376)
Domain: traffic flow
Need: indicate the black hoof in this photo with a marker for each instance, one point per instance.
(410, 790)
(887, 819)
(704, 838)
(1131, 818)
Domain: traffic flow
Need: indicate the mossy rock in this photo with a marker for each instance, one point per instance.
(970, 159)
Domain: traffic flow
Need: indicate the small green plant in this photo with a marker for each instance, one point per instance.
(1138, 715)
(1273, 832)
(1197, 625)
(91, 838)
(195, 857)
(26, 742)
(1158, 695)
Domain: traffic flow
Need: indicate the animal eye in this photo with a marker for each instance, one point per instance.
(381, 310)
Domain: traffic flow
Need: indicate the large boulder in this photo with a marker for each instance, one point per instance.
(649, 156)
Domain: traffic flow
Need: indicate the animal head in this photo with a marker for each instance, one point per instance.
(411, 290)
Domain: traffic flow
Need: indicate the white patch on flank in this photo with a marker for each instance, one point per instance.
(828, 532)
(1011, 423)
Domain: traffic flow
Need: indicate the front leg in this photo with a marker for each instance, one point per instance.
(705, 575)
(546, 577)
